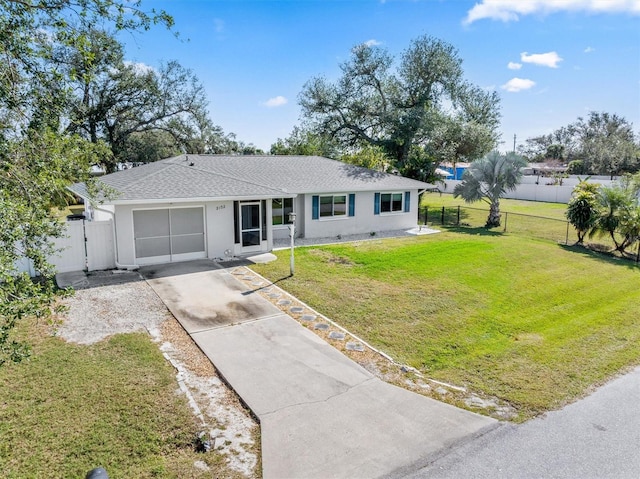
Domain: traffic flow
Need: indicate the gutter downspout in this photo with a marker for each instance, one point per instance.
(130, 267)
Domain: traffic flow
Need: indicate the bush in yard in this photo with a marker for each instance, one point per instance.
(582, 210)
(619, 212)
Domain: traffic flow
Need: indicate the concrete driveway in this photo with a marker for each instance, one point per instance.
(321, 414)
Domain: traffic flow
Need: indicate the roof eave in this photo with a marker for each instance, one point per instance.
(203, 199)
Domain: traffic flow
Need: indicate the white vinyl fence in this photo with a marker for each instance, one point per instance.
(100, 247)
(85, 245)
(534, 188)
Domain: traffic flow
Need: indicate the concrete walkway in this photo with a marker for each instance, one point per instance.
(321, 414)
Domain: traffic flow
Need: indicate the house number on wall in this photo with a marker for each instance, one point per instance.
(221, 207)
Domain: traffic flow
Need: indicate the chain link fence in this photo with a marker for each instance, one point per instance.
(552, 229)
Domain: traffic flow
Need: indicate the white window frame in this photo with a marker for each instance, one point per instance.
(333, 216)
(392, 211)
(286, 222)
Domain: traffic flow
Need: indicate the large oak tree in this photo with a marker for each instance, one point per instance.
(418, 107)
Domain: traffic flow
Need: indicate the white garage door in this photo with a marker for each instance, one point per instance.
(169, 234)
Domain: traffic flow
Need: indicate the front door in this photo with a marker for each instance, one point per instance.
(251, 231)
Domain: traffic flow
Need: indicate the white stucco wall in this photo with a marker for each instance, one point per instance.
(100, 212)
(364, 221)
(219, 224)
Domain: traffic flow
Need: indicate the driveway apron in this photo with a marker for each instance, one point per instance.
(321, 414)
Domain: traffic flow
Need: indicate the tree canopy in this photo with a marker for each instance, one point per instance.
(419, 107)
(600, 144)
(38, 159)
(305, 141)
(142, 113)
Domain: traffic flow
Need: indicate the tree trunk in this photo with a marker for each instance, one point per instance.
(612, 234)
(494, 214)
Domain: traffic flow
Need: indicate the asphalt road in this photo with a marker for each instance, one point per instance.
(596, 437)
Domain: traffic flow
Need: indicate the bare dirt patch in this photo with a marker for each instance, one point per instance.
(97, 313)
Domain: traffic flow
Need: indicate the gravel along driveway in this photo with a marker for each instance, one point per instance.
(97, 313)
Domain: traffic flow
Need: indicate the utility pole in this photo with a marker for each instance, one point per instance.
(514, 142)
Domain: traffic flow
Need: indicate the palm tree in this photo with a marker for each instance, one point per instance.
(488, 179)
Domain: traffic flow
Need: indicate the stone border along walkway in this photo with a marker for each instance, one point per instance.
(375, 361)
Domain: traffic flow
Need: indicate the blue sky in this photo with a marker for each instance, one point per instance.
(551, 61)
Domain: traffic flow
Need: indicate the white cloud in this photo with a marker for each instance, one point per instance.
(514, 66)
(275, 101)
(512, 10)
(138, 67)
(518, 84)
(589, 50)
(372, 43)
(550, 59)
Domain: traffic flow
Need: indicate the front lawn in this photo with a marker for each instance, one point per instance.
(72, 408)
(529, 321)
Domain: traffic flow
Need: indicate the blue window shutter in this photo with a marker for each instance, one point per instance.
(407, 201)
(315, 207)
(352, 204)
(376, 204)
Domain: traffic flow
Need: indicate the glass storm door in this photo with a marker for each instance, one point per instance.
(251, 225)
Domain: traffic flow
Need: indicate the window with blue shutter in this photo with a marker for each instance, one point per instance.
(352, 204)
(407, 201)
(376, 204)
(315, 207)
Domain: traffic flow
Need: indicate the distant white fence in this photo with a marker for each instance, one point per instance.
(535, 188)
(84, 245)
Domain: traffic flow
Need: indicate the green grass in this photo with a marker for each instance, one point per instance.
(536, 208)
(72, 408)
(533, 219)
(529, 321)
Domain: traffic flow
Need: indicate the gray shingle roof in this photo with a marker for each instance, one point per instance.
(219, 176)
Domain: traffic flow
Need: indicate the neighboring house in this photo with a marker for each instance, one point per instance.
(454, 173)
(210, 206)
